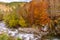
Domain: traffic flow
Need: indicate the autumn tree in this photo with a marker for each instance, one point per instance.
(37, 12)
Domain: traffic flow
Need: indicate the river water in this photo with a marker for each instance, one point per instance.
(15, 33)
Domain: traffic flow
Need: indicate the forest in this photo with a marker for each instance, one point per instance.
(29, 17)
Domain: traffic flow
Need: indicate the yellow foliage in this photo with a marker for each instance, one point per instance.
(22, 22)
(13, 23)
(11, 20)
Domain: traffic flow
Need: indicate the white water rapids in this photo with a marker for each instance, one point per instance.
(16, 33)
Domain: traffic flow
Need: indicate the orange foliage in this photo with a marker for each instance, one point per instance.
(38, 13)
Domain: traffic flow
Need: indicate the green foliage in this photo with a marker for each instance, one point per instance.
(22, 22)
(58, 21)
(14, 18)
(18, 39)
(4, 36)
(11, 19)
(13, 23)
(1, 15)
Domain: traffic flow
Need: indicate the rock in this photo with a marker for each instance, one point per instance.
(29, 30)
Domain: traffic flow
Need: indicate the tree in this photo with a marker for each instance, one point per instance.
(37, 13)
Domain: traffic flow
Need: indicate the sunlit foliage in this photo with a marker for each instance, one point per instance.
(37, 13)
(34, 12)
(22, 22)
(11, 19)
(22, 16)
(4, 36)
(1, 15)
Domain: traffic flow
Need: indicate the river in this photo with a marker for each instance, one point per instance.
(16, 33)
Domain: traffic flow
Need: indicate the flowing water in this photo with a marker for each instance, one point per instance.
(16, 33)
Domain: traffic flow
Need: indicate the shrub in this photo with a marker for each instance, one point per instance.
(18, 39)
(4, 36)
(1, 15)
(22, 22)
(11, 19)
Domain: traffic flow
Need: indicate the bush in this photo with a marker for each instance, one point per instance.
(22, 22)
(18, 39)
(11, 19)
(58, 21)
(1, 15)
(4, 36)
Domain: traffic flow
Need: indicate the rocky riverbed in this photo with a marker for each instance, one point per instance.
(24, 33)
